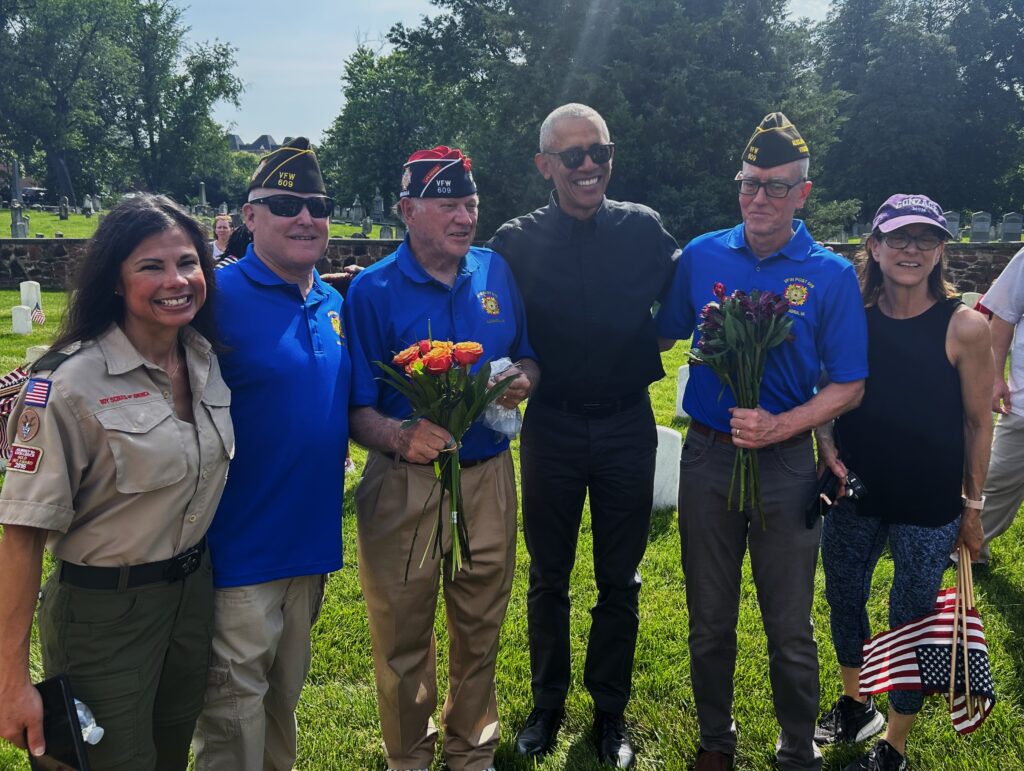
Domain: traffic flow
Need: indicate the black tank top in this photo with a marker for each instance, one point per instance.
(906, 439)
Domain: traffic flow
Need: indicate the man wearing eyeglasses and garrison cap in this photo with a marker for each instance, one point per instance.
(769, 251)
(589, 427)
(277, 531)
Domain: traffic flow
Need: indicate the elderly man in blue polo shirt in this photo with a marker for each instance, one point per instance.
(277, 532)
(769, 251)
(436, 285)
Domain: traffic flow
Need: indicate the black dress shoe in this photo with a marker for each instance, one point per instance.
(613, 745)
(538, 735)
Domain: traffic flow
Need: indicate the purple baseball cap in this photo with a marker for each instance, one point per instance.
(906, 209)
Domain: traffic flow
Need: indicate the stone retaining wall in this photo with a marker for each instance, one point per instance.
(50, 261)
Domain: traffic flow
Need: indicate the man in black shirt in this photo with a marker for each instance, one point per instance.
(589, 427)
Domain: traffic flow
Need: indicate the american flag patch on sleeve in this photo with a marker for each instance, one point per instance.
(37, 392)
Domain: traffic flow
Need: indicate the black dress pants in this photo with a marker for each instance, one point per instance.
(562, 457)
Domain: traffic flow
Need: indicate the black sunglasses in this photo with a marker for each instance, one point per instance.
(572, 158)
(290, 205)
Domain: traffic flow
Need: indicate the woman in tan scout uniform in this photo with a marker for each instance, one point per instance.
(121, 448)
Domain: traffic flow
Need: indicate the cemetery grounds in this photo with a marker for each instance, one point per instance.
(338, 727)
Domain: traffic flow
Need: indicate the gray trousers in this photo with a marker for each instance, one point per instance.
(783, 558)
(1004, 487)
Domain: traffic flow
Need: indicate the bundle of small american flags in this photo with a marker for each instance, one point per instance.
(10, 386)
(944, 652)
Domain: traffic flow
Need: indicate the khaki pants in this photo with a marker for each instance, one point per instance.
(1004, 487)
(261, 656)
(138, 658)
(389, 503)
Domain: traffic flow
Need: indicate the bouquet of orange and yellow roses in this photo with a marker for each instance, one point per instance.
(441, 389)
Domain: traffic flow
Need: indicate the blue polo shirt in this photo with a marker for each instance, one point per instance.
(825, 304)
(395, 303)
(287, 364)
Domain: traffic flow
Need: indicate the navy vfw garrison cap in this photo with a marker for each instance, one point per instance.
(291, 168)
(775, 142)
(443, 172)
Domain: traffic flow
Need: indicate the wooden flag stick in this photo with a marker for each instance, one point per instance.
(963, 621)
(956, 629)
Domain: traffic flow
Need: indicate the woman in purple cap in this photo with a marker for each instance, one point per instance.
(919, 442)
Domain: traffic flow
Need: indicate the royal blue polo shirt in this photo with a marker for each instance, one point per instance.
(395, 303)
(829, 325)
(288, 367)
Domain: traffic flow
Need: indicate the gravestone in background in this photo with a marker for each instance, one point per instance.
(981, 223)
(62, 210)
(1012, 226)
(357, 212)
(378, 206)
(953, 223)
(367, 226)
(386, 232)
(666, 469)
(87, 205)
(31, 294)
(21, 319)
(19, 220)
(682, 378)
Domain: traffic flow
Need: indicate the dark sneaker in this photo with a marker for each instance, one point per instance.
(849, 721)
(883, 757)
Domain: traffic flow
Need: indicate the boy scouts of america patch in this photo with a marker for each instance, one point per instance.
(28, 425)
(796, 294)
(336, 323)
(489, 301)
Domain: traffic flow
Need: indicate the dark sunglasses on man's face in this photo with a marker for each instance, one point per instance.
(572, 158)
(319, 207)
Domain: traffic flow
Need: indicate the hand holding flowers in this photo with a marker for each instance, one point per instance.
(736, 334)
(440, 388)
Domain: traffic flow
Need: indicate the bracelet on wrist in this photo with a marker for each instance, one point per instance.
(971, 504)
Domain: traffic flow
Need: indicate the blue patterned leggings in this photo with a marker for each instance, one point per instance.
(850, 548)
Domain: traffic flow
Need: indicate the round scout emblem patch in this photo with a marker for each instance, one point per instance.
(28, 425)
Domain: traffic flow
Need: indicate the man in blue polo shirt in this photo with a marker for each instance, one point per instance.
(277, 532)
(769, 251)
(436, 285)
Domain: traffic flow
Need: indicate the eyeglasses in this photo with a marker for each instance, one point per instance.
(772, 188)
(319, 207)
(572, 157)
(901, 241)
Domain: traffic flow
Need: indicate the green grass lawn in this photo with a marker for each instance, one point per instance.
(80, 226)
(338, 724)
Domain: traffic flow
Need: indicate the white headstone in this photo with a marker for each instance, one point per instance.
(666, 468)
(34, 352)
(681, 379)
(30, 294)
(21, 319)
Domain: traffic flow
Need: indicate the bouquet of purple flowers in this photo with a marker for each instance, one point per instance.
(736, 334)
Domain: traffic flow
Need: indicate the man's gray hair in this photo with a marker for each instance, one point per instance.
(571, 110)
(805, 166)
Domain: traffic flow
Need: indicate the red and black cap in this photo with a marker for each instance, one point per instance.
(443, 172)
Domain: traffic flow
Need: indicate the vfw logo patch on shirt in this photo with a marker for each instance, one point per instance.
(489, 302)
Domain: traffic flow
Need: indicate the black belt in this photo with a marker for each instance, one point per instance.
(725, 438)
(462, 463)
(594, 408)
(174, 569)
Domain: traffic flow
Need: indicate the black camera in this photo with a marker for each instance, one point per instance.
(827, 494)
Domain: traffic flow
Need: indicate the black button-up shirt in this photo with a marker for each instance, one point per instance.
(589, 288)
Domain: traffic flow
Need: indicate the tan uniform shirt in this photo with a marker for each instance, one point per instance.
(108, 466)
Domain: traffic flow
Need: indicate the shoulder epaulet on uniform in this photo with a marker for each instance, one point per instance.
(53, 359)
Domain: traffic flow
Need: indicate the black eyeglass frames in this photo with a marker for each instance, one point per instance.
(773, 188)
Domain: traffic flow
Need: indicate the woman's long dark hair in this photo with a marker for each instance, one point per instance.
(870, 274)
(93, 306)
